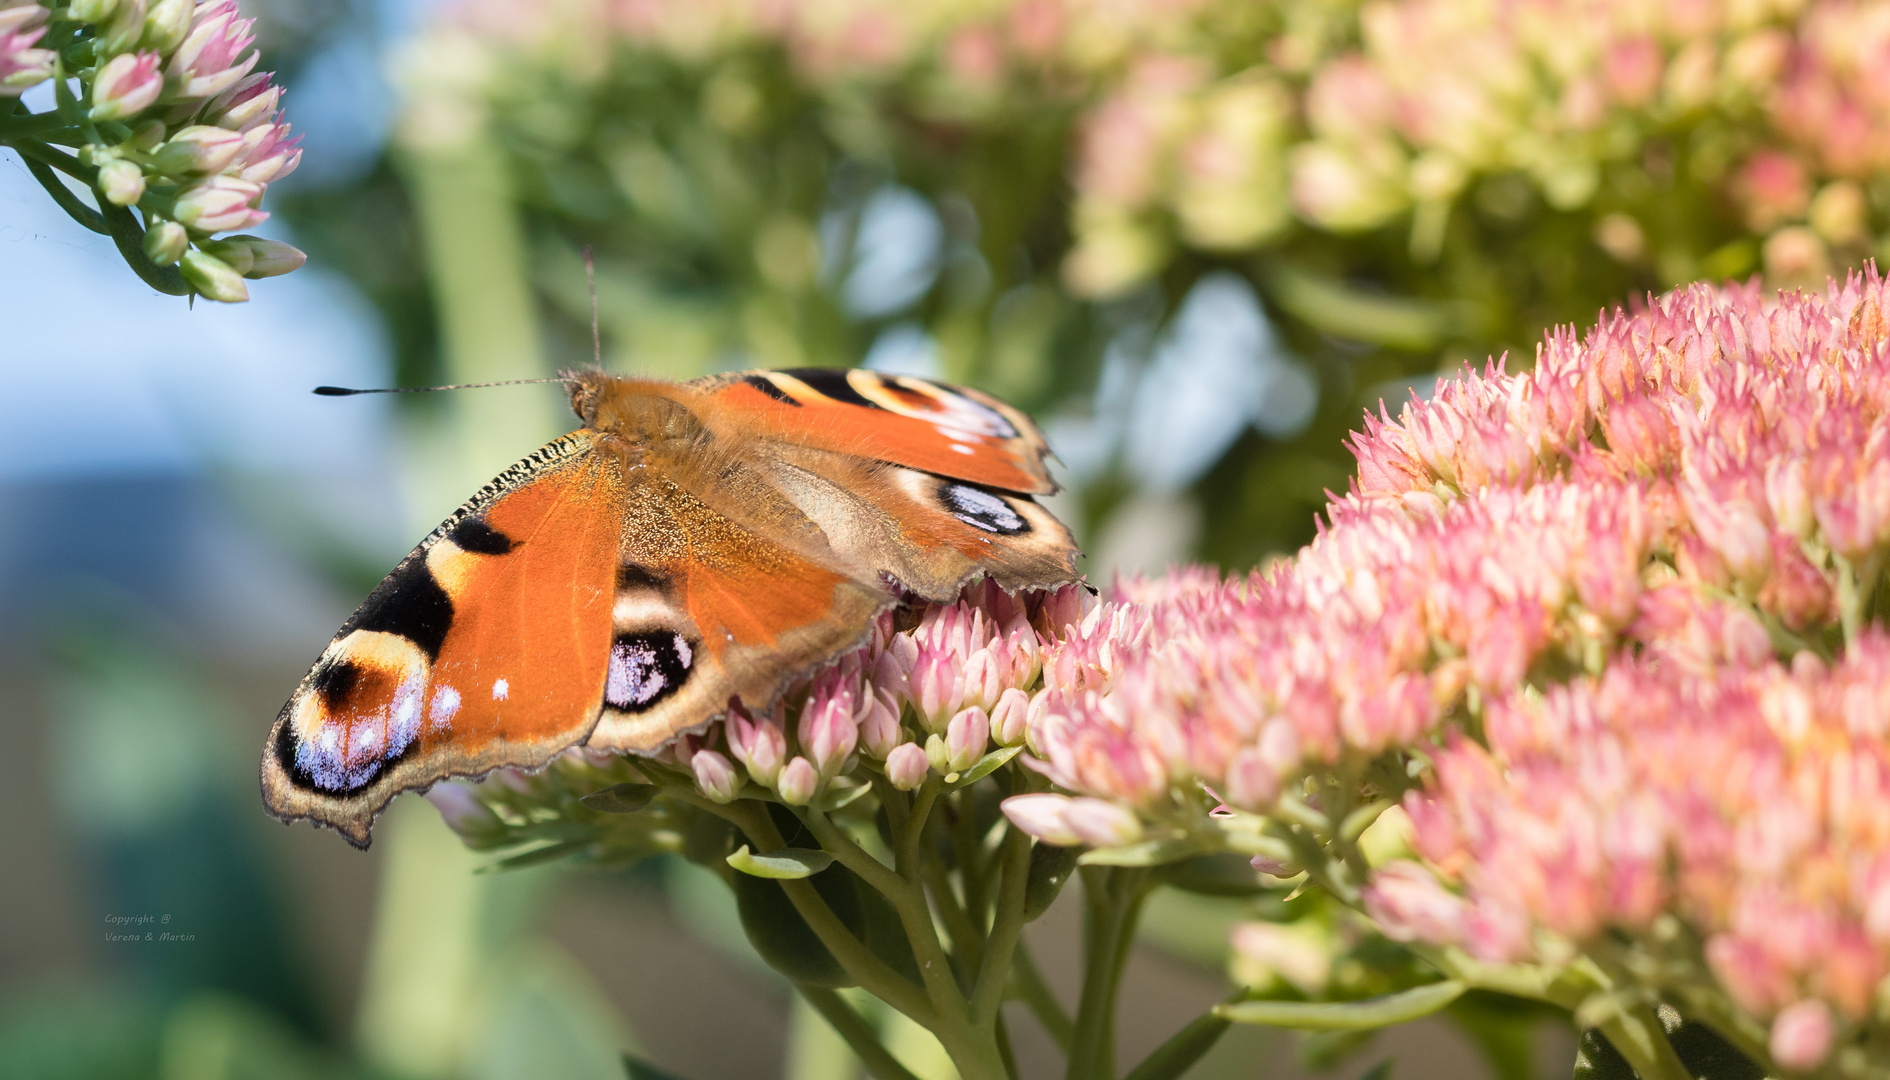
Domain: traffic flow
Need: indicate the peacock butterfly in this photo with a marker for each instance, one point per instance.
(690, 545)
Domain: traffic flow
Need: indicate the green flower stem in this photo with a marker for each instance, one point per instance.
(1036, 994)
(907, 900)
(129, 236)
(61, 194)
(1007, 927)
(1113, 898)
(858, 1034)
(872, 973)
(1186, 1047)
(968, 849)
(1854, 587)
(957, 922)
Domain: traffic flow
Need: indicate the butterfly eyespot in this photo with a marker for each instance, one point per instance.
(982, 510)
(362, 712)
(645, 668)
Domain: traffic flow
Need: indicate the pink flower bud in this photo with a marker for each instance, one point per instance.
(206, 63)
(460, 808)
(1101, 823)
(879, 724)
(220, 204)
(906, 766)
(1010, 719)
(243, 106)
(827, 732)
(126, 85)
(1409, 904)
(759, 744)
(121, 182)
(1041, 815)
(1252, 784)
(199, 149)
(1802, 1036)
(715, 776)
(966, 737)
(798, 782)
(936, 688)
(983, 679)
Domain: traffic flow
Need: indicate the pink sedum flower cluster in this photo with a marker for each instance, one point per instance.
(1615, 612)
(22, 66)
(933, 699)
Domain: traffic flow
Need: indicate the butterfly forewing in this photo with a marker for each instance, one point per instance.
(944, 430)
(487, 647)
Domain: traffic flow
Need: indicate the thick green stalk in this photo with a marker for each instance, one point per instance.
(1113, 902)
(1007, 927)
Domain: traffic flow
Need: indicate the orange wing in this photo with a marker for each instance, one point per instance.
(486, 647)
(945, 430)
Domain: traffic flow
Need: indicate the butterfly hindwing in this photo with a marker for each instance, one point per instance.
(708, 609)
(930, 533)
(486, 647)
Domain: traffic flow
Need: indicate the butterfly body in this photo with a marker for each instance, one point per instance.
(690, 545)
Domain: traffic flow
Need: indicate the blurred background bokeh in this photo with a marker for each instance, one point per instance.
(1196, 238)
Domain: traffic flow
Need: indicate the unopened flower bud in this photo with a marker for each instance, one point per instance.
(828, 734)
(1042, 816)
(1802, 1035)
(165, 242)
(124, 30)
(1101, 823)
(983, 679)
(798, 781)
(937, 754)
(121, 182)
(166, 23)
(936, 686)
(213, 278)
(965, 738)
(199, 148)
(1409, 904)
(460, 808)
(759, 744)
(220, 204)
(715, 776)
(907, 766)
(126, 85)
(246, 104)
(265, 258)
(879, 724)
(91, 11)
(1010, 719)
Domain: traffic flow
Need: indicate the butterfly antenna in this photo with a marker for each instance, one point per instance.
(344, 391)
(590, 278)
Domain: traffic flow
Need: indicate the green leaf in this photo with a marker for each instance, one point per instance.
(788, 864)
(621, 798)
(1380, 1071)
(1050, 868)
(986, 765)
(1346, 1015)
